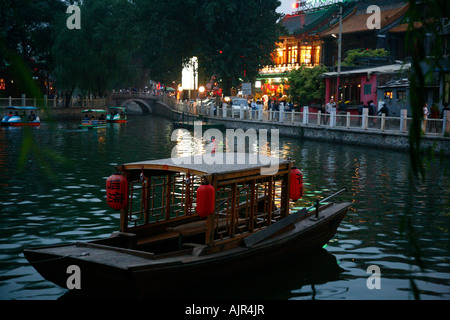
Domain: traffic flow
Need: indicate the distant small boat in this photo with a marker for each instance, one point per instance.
(21, 116)
(116, 115)
(93, 119)
(184, 221)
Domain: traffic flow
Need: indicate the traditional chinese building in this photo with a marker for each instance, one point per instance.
(311, 37)
(373, 83)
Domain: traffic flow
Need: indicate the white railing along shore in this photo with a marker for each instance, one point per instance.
(381, 123)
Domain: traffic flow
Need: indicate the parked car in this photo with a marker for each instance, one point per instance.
(237, 103)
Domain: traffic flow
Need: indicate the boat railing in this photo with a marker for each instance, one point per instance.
(248, 206)
(159, 198)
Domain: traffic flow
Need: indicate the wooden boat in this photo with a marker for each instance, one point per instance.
(21, 116)
(93, 119)
(163, 243)
(116, 115)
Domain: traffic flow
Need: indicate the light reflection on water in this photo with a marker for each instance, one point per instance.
(39, 211)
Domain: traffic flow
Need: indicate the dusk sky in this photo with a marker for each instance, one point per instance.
(286, 6)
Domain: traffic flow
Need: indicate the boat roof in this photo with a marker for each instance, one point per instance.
(209, 163)
(21, 108)
(116, 108)
(94, 110)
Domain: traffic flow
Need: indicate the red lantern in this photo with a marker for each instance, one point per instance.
(296, 190)
(116, 191)
(205, 199)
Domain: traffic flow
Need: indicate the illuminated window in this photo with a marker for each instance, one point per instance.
(2, 84)
(388, 94)
(305, 55)
(292, 51)
(279, 54)
(317, 56)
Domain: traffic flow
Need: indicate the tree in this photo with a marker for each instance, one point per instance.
(101, 53)
(169, 32)
(238, 37)
(231, 38)
(352, 55)
(305, 84)
(25, 40)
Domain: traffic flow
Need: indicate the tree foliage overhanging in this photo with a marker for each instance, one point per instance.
(123, 42)
(305, 85)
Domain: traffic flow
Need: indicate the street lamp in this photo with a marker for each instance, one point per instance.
(339, 53)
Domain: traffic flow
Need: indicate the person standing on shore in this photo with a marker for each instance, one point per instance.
(329, 107)
(426, 112)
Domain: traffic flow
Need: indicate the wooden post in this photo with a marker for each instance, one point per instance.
(252, 214)
(284, 209)
(168, 193)
(383, 121)
(233, 208)
(270, 201)
(210, 221)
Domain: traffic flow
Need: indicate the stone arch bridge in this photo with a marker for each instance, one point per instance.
(145, 101)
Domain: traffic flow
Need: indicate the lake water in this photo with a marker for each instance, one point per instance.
(59, 197)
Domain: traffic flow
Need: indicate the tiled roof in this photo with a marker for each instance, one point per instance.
(357, 20)
(392, 68)
(303, 22)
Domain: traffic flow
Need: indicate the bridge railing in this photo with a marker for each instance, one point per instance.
(56, 102)
(132, 94)
(380, 123)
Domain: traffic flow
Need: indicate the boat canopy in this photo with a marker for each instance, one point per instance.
(21, 108)
(93, 110)
(205, 164)
(251, 192)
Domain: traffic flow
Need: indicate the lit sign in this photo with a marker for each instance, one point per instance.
(303, 5)
(2, 84)
(189, 75)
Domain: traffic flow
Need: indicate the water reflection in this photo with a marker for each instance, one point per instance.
(39, 211)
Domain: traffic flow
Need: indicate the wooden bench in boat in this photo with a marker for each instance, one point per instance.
(168, 235)
(183, 230)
